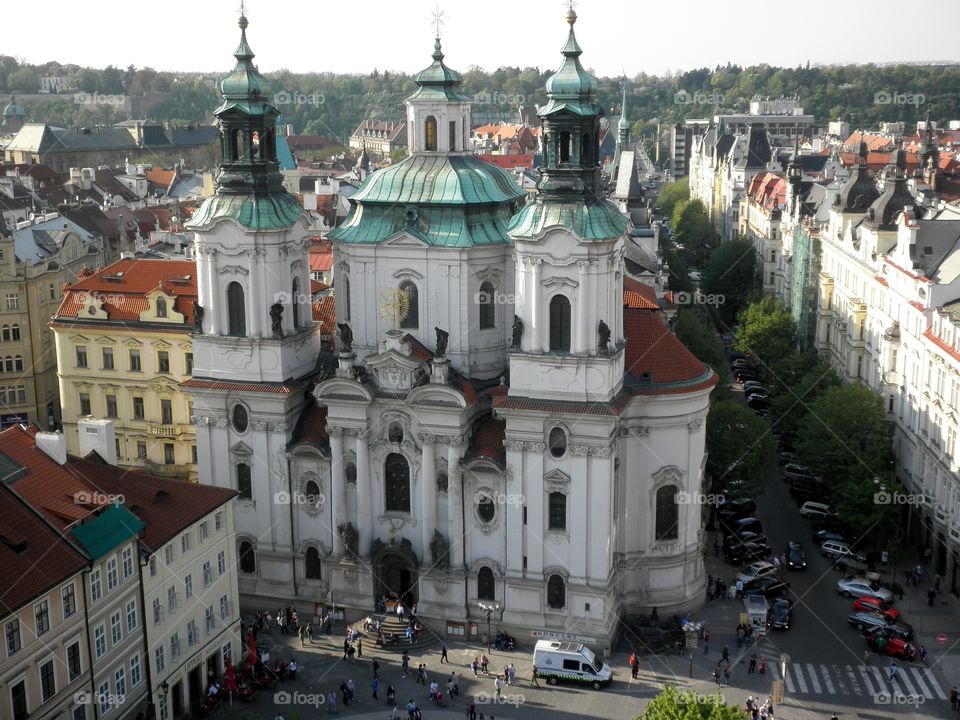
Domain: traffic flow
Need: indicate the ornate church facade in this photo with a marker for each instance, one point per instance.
(499, 426)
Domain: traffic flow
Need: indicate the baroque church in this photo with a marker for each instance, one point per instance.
(500, 425)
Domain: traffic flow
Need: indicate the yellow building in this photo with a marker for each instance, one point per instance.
(123, 348)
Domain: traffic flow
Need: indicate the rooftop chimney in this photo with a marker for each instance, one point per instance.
(53, 444)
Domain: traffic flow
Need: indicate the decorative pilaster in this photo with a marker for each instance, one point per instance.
(455, 500)
(364, 494)
(216, 301)
(582, 344)
(254, 311)
(515, 527)
(338, 486)
(537, 331)
(533, 492)
(428, 494)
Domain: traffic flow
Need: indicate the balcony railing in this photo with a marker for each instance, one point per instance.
(165, 430)
(173, 471)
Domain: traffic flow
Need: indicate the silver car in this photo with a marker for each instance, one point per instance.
(860, 587)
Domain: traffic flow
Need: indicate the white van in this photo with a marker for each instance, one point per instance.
(569, 661)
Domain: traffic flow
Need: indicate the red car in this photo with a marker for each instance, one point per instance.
(871, 604)
(894, 646)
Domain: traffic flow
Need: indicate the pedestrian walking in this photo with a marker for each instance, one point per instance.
(391, 694)
(476, 666)
(376, 669)
(706, 642)
(535, 682)
(739, 589)
(931, 596)
(421, 674)
(332, 702)
(374, 687)
(359, 647)
(329, 625)
(309, 634)
(351, 690)
(484, 663)
(893, 671)
(344, 696)
(405, 663)
(292, 669)
(512, 673)
(716, 675)
(346, 648)
(955, 698)
(725, 654)
(300, 633)
(776, 561)
(751, 668)
(633, 666)
(726, 676)
(443, 653)
(497, 684)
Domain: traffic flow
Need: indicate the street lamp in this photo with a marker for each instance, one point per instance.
(691, 630)
(489, 609)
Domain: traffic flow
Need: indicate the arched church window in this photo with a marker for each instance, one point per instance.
(350, 473)
(557, 442)
(556, 592)
(255, 146)
(564, 146)
(244, 481)
(412, 318)
(560, 324)
(486, 585)
(453, 135)
(311, 492)
(395, 433)
(312, 564)
(295, 299)
(430, 133)
(486, 510)
(487, 310)
(238, 146)
(667, 513)
(396, 472)
(248, 559)
(557, 513)
(236, 310)
(161, 307)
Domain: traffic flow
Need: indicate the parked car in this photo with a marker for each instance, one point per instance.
(779, 614)
(758, 396)
(816, 510)
(851, 565)
(759, 402)
(740, 525)
(736, 355)
(793, 471)
(875, 622)
(833, 549)
(753, 384)
(743, 374)
(759, 568)
(893, 645)
(872, 604)
(769, 586)
(796, 559)
(747, 551)
(822, 536)
(736, 509)
(861, 587)
(788, 457)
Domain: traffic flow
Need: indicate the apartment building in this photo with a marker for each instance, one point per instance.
(123, 347)
(44, 663)
(761, 213)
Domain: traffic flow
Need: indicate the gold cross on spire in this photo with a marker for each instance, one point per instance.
(437, 17)
(243, 7)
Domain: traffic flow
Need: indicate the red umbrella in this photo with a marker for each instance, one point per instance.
(230, 677)
(252, 657)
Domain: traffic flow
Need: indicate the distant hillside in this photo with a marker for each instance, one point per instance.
(333, 105)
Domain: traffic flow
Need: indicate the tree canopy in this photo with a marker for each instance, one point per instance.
(766, 330)
(731, 271)
(674, 704)
(741, 450)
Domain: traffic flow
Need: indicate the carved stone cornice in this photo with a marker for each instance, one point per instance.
(363, 434)
(537, 447)
(258, 425)
(579, 450)
(600, 451)
(513, 445)
(694, 425)
(334, 431)
(634, 431)
(281, 427)
(222, 422)
(427, 439)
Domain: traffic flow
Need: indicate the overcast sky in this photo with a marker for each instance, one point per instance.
(356, 36)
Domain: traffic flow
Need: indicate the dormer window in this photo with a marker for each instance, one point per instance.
(161, 307)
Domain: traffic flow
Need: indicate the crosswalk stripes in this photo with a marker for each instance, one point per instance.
(864, 680)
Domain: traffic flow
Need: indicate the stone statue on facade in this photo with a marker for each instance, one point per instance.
(197, 317)
(517, 332)
(442, 337)
(603, 331)
(440, 549)
(276, 319)
(346, 337)
(348, 538)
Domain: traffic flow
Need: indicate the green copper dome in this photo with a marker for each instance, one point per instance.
(438, 82)
(270, 212)
(590, 221)
(13, 110)
(445, 200)
(571, 87)
(245, 83)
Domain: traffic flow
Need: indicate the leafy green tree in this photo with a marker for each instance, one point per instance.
(677, 278)
(693, 229)
(795, 395)
(672, 193)
(84, 79)
(845, 437)
(731, 272)
(674, 704)
(23, 80)
(766, 329)
(741, 450)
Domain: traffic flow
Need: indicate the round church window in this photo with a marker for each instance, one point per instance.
(485, 508)
(558, 442)
(240, 418)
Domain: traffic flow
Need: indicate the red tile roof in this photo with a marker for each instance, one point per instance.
(656, 359)
(324, 312)
(34, 557)
(124, 287)
(279, 388)
(639, 296)
(508, 162)
(874, 142)
(161, 177)
(878, 160)
(946, 347)
(321, 255)
(613, 408)
(312, 426)
(487, 441)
